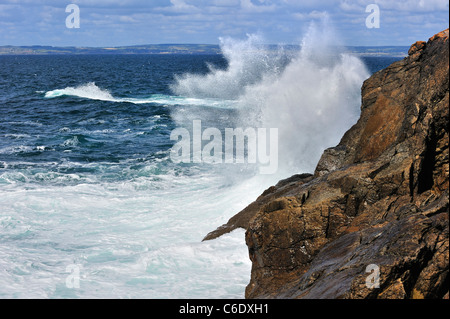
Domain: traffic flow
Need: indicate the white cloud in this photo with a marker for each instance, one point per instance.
(413, 5)
(178, 7)
(190, 21)
(310, 15)
(397, 5)
(355, 6)
(249, 6)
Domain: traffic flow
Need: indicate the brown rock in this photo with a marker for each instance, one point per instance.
(242, 219)
(379, 198)
(419, 45)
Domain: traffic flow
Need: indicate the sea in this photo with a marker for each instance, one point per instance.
(92, 204)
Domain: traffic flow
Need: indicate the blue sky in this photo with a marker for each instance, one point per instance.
(129, 22)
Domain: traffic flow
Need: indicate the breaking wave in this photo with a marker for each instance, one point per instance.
(93, 92)
(312, 96)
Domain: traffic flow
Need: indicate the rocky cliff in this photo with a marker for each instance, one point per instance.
(377, 203)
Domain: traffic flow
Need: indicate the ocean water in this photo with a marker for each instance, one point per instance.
(91, 204)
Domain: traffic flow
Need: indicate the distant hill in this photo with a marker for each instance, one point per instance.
(393, 51)
(177, 49)
(137, 49)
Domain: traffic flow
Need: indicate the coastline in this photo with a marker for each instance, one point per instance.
(378, 198)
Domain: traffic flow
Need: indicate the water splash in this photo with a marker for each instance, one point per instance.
(312, 100)
(248, 62)
(93, 92)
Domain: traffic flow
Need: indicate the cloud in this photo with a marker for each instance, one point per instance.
(311, 15)
(110, 22)
(397, 5)
(249, 6)
(413, 5)
(179, 6)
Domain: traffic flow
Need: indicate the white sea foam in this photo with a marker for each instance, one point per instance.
(140, 237)
(93, 92)
(248, 62)
(128, 243)
(312, 100)
(88, 91)
(16, 136)
(16, 149)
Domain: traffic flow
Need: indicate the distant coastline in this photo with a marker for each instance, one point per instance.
(193, 49)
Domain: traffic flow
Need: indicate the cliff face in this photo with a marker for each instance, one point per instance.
(379, 198)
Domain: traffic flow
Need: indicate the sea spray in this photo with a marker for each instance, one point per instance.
(312, 100)
(88, 90)
(114, 204)
(92, 92)
(248, 62)
(190, 149)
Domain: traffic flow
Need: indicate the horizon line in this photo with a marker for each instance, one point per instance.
(157, 44)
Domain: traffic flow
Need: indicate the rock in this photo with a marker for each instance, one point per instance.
(242, 219)
(380, 198)
(419, 45)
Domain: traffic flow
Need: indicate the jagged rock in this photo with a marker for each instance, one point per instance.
(242, 219)
(381, 197)
(419, 45)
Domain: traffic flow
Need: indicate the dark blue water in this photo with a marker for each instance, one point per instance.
(38, 130)
(86, 179)
(73, 129)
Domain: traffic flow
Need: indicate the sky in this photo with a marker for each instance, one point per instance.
(108, 23)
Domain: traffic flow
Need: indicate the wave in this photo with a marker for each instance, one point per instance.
(249, 61)
(312, 99)
(17, 149)
(88, 91)
(93, 92)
